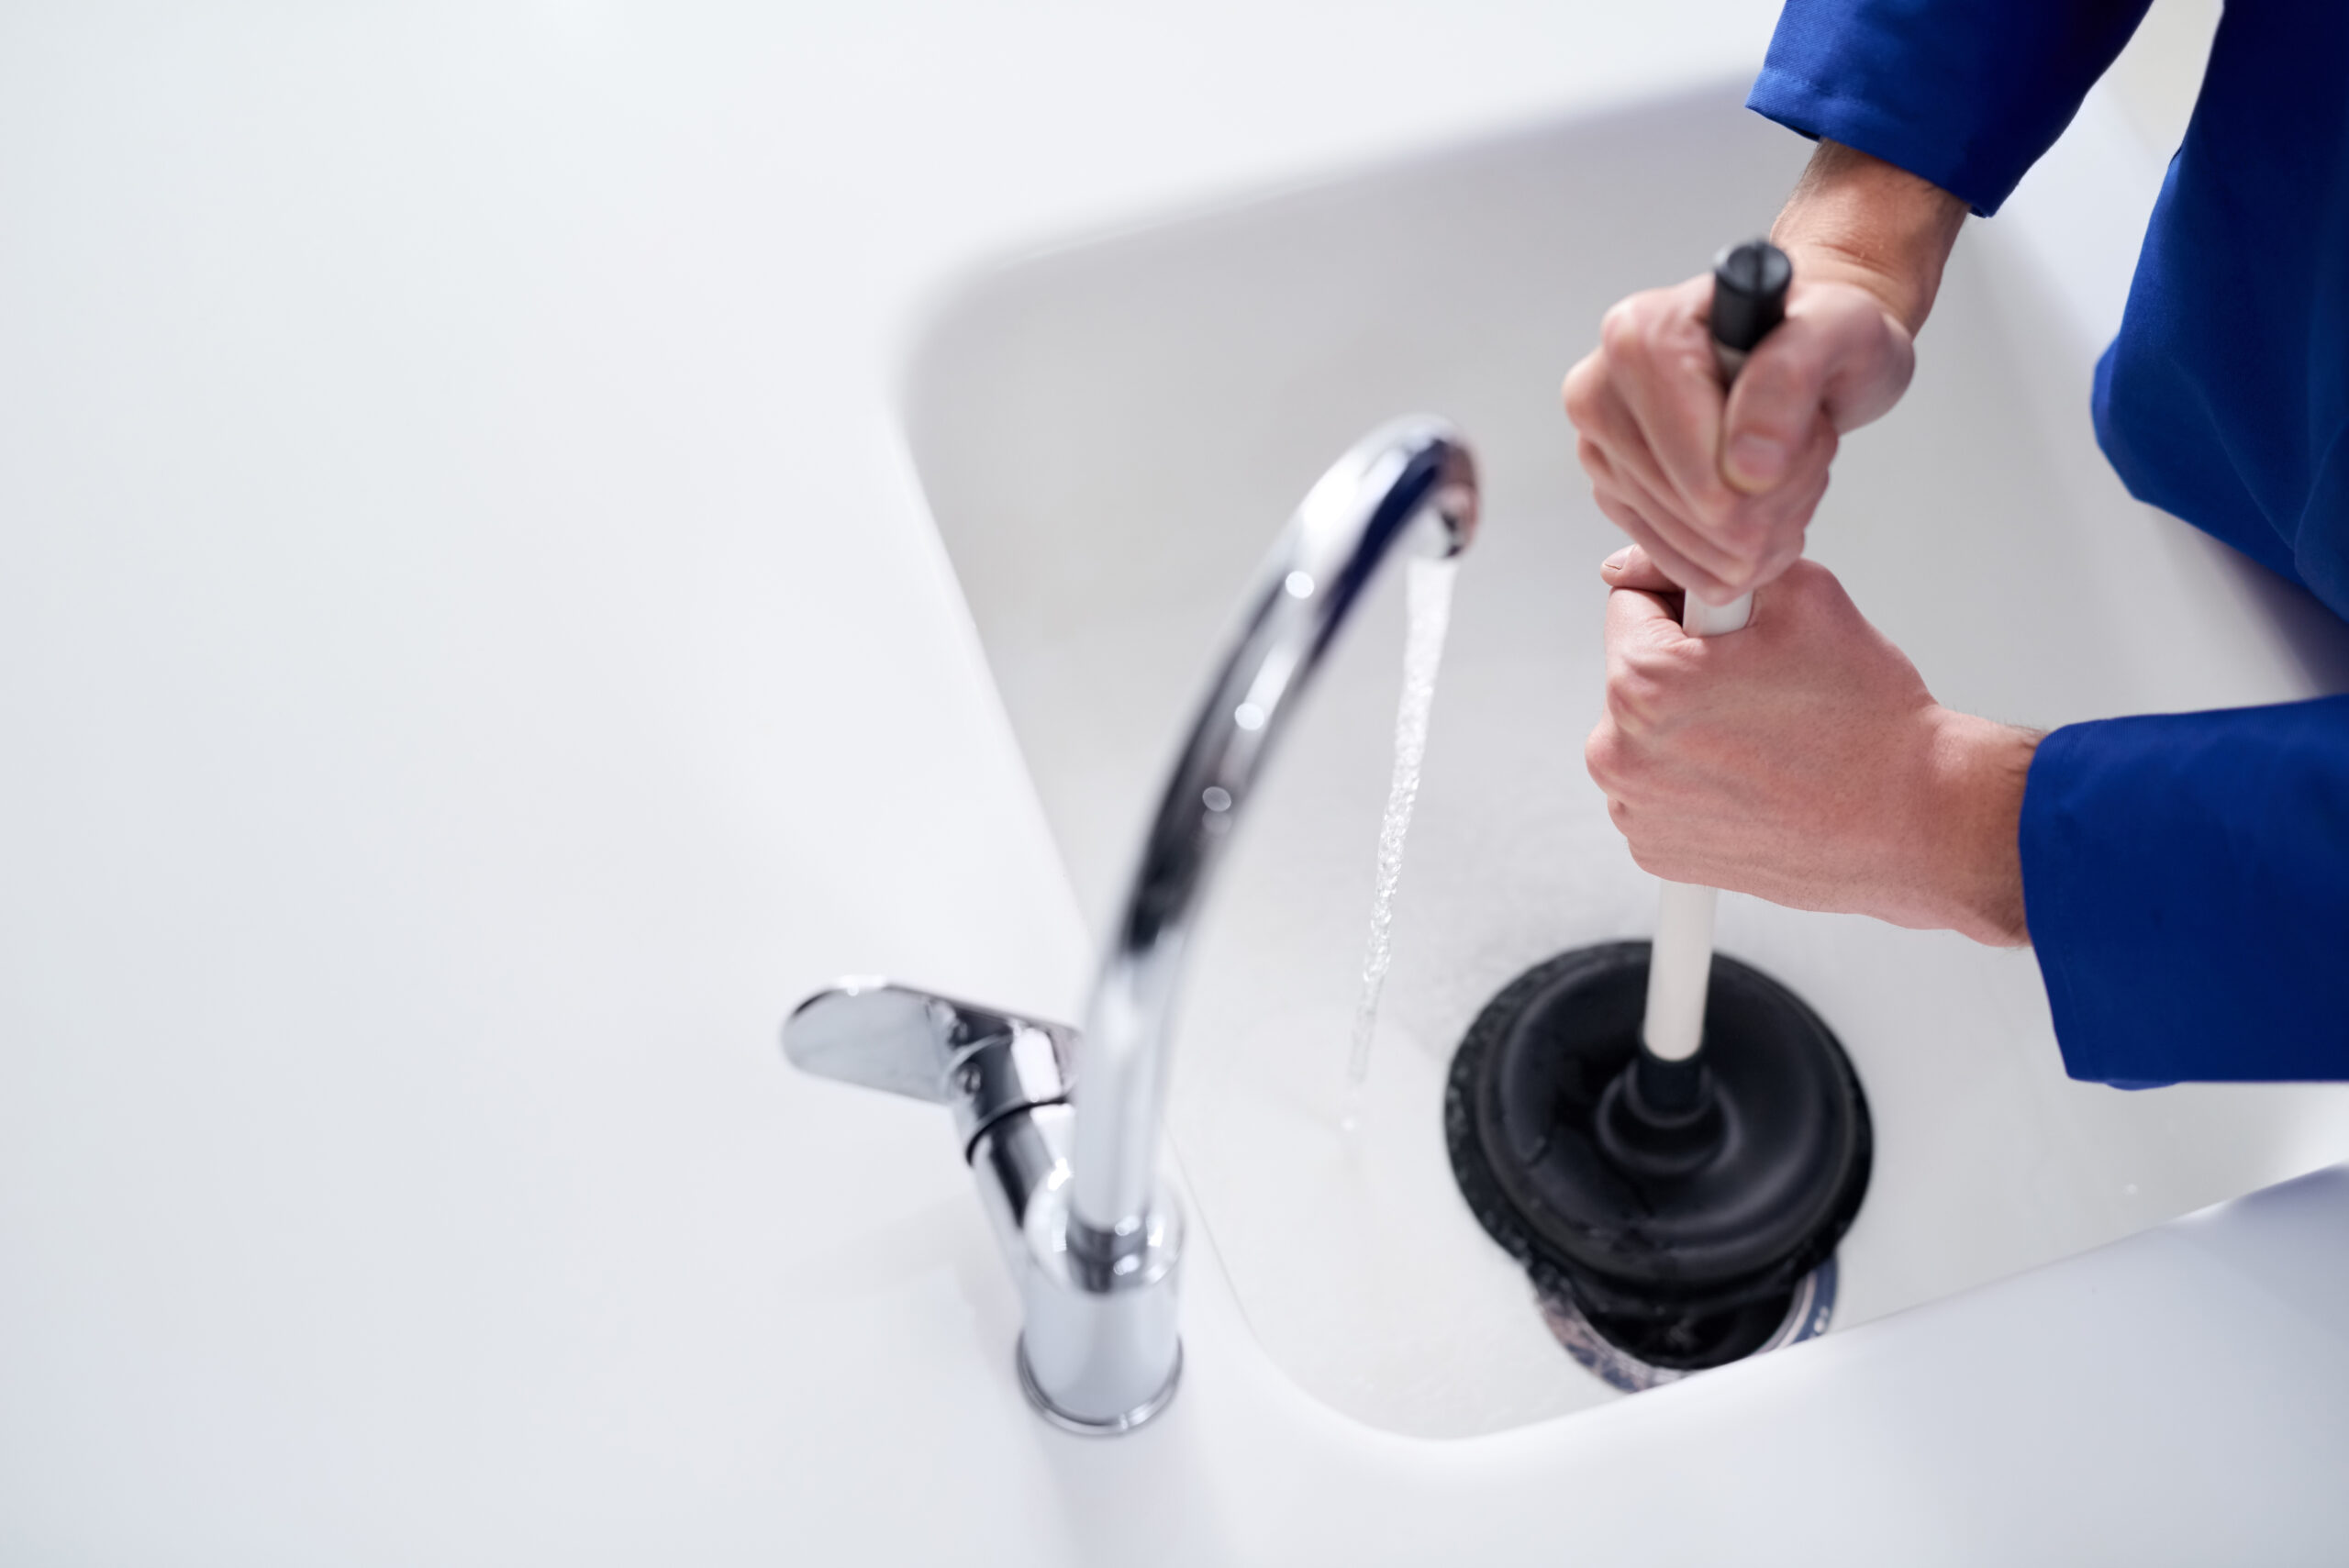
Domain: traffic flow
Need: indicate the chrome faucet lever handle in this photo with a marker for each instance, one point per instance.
(1006, 1079)
(982, 1063)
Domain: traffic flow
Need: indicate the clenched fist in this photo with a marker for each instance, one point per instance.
(1803, 760)
(1718, 488)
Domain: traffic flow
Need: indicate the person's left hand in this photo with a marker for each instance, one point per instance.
(1803, 760)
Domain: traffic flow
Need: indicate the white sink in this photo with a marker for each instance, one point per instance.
(1110, 433)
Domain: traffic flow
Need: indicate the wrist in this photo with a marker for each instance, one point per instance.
(1972, 819)
(1856, 219)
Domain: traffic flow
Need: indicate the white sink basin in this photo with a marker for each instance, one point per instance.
(1110, 433)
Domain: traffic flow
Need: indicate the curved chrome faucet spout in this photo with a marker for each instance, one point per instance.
(1095, 1248)
(1410, 483)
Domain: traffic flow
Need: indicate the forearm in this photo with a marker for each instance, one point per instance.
(1858, 220)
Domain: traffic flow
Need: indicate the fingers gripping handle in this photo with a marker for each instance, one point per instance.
(1749, 299)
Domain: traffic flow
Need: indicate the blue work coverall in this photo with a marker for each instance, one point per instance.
(2186, 876)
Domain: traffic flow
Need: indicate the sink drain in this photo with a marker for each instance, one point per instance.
(1662, 1235)
(1805, 1317)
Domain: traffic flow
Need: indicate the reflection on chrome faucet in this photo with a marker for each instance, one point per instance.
(1063, 1129)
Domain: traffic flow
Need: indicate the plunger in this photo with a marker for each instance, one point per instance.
(1670, 1136)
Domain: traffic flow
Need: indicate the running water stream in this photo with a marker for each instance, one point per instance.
(1427, 598)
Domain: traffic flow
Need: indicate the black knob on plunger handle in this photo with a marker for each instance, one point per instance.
(1749, 299)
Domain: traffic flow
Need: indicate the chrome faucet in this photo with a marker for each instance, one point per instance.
(1061, 1129)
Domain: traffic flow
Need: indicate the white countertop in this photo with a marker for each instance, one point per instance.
(472, 654)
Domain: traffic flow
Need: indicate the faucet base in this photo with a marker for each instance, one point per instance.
(1086, 1426)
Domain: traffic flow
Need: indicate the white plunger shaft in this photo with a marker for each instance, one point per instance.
(1749, 299)
(1680, 965)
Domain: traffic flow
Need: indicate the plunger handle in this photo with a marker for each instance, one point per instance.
(1749, 299)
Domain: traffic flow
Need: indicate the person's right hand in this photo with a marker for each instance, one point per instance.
(1801, 759)
(1716, 489)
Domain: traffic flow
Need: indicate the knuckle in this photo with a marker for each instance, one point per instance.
(1815, 589)
(1602, 755)
(1629, 328)
(1655, 331)
(1581, 392)
(1808, 578)
(1615, 337)
(1636, 699)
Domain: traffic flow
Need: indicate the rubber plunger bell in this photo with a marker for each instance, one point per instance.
(1671, 1136)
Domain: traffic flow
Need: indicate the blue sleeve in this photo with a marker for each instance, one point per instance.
(2187, 881)
(1966, 93)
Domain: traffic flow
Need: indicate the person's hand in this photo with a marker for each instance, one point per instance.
(1803, 760)
(1717, 489)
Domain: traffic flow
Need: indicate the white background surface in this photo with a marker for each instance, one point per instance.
(471, 656)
